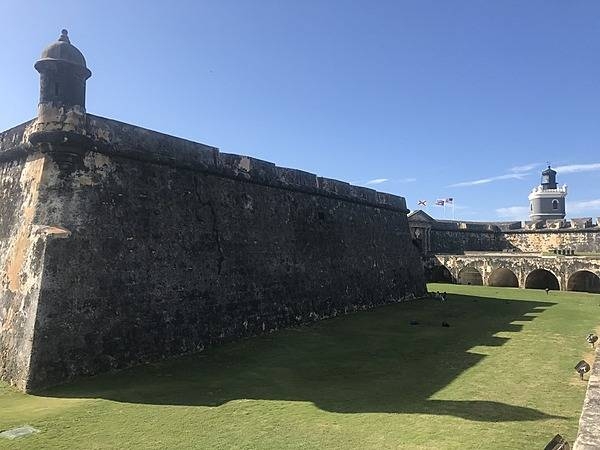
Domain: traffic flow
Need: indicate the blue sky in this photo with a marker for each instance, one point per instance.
(424, 99)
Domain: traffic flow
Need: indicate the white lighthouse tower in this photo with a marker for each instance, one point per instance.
(547, 201)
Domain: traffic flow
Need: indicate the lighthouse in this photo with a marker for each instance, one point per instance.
(547, 201)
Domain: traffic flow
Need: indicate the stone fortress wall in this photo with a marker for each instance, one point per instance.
(578, 235)
(121, 245)
(577, 240)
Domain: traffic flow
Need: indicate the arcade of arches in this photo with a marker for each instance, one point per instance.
(582, 280)
(510, 271)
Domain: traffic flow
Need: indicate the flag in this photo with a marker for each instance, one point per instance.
(440, 202)
(422, 203)
(450, 201)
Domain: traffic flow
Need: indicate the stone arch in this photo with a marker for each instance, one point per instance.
(440, 274)
(542, 279)
(503, 277)
(470, 275)
(584, 281)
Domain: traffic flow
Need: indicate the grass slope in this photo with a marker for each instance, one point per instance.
(501, 376)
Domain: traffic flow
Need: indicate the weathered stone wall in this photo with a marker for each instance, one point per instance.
(582, 241)
(21, 251)
(458, 241)
(455, 237)
(172, 246)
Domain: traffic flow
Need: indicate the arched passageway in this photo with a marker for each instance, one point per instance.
(542, 279)
(503, 278)
(584, 281)
(470, 275)
(440, 274)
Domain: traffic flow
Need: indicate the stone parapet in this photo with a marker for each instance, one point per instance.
(14, 142)
(118, 139)
(556, 224)
(534, 224)
(582, 222)
(505, 226)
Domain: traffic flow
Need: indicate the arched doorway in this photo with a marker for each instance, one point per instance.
(584, 281)
(503, 278)
(470, 275)
(542, 279)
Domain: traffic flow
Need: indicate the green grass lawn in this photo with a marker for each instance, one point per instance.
(501, 376)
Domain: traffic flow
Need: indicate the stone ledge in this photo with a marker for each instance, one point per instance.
(588, 436)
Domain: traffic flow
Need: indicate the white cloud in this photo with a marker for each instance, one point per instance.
(574, 168)
(524, 167)
(377, 181)
(517, 176)
(584, 207)
(513, 213)
(461, 207)
(387, 180)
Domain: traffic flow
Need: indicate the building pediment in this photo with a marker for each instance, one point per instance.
(420, 216)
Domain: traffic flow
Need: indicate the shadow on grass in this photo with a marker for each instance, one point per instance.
(373, 361)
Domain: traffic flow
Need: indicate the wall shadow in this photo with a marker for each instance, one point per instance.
(392, 359)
